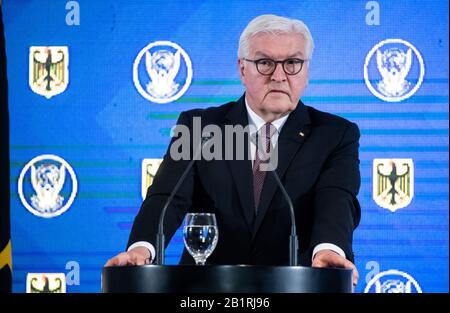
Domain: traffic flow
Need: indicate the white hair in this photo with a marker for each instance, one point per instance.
(273, 24)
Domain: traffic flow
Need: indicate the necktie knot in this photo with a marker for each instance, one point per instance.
(269, 130)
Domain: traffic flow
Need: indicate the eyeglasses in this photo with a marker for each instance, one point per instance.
(267, 66)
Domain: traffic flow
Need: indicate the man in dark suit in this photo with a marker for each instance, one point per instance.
(317, 162)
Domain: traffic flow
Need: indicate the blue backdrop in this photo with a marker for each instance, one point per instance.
(103, 127)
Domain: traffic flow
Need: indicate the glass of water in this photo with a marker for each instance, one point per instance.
(200, 235)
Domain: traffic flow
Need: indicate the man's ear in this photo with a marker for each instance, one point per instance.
(241, 66)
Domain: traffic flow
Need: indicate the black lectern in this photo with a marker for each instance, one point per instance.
(225, 279)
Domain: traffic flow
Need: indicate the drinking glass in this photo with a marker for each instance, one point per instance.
(200, 235)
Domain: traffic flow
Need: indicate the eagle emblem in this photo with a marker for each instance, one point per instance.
(393, 183)
(49, 70)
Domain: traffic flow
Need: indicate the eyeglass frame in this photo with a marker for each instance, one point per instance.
(282, 62)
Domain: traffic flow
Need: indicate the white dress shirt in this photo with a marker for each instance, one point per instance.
(255, 123)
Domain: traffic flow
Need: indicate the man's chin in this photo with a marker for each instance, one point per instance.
(279, 107)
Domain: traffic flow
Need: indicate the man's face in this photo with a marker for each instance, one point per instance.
(277, 94)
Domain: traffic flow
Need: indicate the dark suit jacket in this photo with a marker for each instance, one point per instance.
(320, 171)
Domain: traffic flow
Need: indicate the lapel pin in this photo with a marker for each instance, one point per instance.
(301, 134)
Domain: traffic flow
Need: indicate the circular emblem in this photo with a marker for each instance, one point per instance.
(162, 72)
(393, 70)
(392, 281)
(43, 186)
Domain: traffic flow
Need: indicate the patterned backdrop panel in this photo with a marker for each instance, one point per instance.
(95, 87)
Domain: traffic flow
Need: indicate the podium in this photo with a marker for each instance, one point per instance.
(225, 279)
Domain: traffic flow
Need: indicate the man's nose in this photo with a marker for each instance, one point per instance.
(278, 75)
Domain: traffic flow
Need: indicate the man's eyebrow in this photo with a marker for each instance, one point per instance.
(264, 55)
(297, 54)
(259, 53)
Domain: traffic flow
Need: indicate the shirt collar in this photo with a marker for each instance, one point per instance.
(256, 120)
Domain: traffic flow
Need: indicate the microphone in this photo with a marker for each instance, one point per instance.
(293, 239)
(160, 240)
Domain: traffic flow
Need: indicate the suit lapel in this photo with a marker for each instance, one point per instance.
(241, 170)
(291, 138)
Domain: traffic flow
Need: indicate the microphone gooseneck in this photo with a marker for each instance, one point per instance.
(160, 239)
(293, 238)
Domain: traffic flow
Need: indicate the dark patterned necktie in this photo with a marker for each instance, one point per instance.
(259, 175)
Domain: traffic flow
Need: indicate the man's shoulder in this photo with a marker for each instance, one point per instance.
(212, 115)
(331, 125)
(325, 118)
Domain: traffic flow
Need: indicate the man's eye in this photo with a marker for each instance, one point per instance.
(265, 62)
(293, 61)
